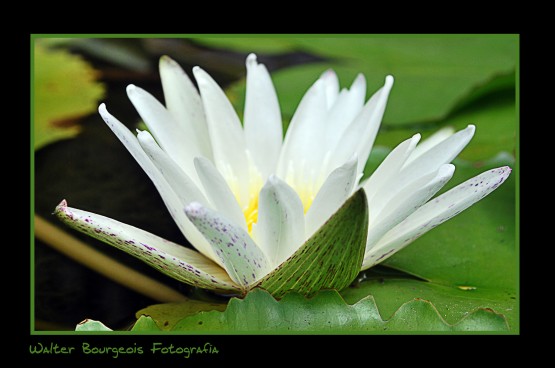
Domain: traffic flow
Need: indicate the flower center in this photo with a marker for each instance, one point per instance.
(305, 189)
(251, 210)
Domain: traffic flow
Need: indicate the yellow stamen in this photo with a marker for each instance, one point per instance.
(251, 210)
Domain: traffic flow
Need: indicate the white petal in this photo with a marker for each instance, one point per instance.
(435, 213)
(181, 184)
(262, 118)
(169, 135)
(184, 103)
(358, 89)
(425, 165)
(405, 203)
(302, 151)
(345, 109)
(442, 153)
(430, 142)
(334, 192)
(331, 86)
(170, 258)
(388, 169)
(171, 200)
(360, 134)
(243, 260)
(218, 192)
(280, 227)
(377, 107)
(226, 133)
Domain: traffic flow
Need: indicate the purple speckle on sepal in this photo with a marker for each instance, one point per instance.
(147, 247)
(385, 254)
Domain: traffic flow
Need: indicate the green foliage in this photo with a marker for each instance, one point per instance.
(327, 312)
(445, 71)
(452, 302)
(495, 119)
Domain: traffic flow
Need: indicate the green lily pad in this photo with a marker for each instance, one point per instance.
(445, 70)
(65, 89)
(168, 314)
(89, 325)
(145, 324)
(452, 302)
(327, 312)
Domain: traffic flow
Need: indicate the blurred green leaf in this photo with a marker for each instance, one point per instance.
(495, 119)
(499, 84)
(123, 52)
(433, 74)
(249, 44)
(65, 89)
(119, 52)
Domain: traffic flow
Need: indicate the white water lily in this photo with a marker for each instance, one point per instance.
(248, 200)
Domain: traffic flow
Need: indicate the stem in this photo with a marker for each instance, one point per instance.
(106, 266)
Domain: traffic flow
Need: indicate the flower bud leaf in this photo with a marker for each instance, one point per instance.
(176, 261)
(329, 259)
